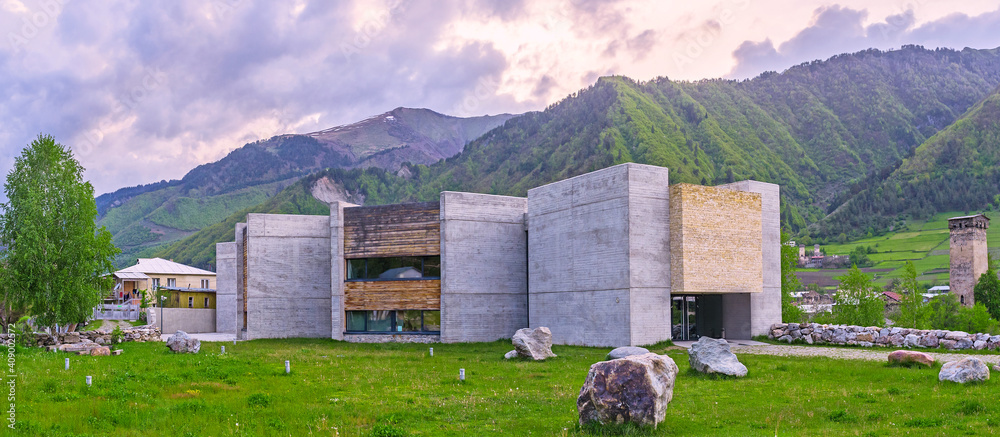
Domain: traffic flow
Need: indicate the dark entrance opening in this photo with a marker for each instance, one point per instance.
(696, 316)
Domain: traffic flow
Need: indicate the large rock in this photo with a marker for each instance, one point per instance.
(101, 351)
(907, 357)
(181, 342)
(710, 355)
(626, 351)
(633, 389)
(71, 338)
(510, 355)
(533, 343)
(964, 370)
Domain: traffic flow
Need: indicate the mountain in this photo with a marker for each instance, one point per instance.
(147, 216)
(818, 129)
(957, 169)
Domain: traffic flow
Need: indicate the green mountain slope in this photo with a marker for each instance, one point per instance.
(956, 169)
(817, 130)
(141, 218)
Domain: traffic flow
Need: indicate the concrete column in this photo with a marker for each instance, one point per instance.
(483, 267)
(765, 308)
(225, 283)
(337, 269)
(240, 286)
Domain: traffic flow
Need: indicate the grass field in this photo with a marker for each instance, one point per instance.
(924, 242)
(346, 389)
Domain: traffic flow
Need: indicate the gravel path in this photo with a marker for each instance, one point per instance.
(881, 354)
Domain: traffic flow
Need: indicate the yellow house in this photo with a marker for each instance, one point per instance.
(150, 274)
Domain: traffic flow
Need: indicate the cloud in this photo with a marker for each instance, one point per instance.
(837, 29)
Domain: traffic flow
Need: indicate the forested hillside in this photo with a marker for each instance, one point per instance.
(818, 129)
(144, 217)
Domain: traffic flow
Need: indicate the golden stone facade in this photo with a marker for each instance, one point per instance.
(715, 240)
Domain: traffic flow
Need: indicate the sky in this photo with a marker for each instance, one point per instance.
(143, 91)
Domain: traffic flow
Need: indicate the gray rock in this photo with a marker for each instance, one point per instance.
(71, 338)
(964, 343)
(510, 355)
(797, 334)
(786, 338)
(626, 351)
(964, 370)
(633, 389)
(180, 342)
(709, 355)
(956, 335)
(979, 345)
(840, 336)
(808, 339)
(948, 344)
(929, 340)
(533, 343)
(911, 340)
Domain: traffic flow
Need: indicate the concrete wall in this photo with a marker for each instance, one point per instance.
(337, 270)
(765, 307)
(715, 240)
(225, 296)
(599, 257)
(239, 232)
(484, 264)
(187, 319)
(288, 291)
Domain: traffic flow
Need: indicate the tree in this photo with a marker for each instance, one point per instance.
(913, 312)
(858, 302)
(56, 260)
(789, 282)
(859, 257)
(947, 314)
(987, 292)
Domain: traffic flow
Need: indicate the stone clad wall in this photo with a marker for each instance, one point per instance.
(136, 333)
(715, 240)
(873, 336)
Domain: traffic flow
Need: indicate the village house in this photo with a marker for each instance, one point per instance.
(196, 287)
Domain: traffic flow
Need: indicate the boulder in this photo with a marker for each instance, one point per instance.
(533, 343)
(911, 340)
(956, 335)
(907, 357)
(948, 344)
(964, 370)
(709, 355)
(71, 338)
(633, 389)
(101, 351)
(865, 336)
(626, 351)
(929, 340)
(181, 342)
(510, 355)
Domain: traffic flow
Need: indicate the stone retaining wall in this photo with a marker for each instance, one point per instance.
(814, 333)
(392, 338)
(138, 333)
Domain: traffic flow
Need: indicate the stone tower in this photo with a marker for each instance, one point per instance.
(968, 254)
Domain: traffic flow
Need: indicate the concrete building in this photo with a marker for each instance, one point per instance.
(610, 258)
(968, 253)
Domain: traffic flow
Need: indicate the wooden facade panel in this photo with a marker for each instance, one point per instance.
(392, 295)
(412, 229)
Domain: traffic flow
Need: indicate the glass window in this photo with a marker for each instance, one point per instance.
(408, 321)
(206, 302)
(156, 282)
(356, 320)
(171, 282)
(432, 266)
(356, 269)
(432, 321)
(380, 321)
(190, 302)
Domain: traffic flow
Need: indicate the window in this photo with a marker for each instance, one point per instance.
(190, 302)
(171, 282)
(408, 321)
(156, 283)
(204, 283)
(206, 302)
(395, 268)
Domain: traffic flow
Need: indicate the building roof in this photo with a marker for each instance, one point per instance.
(969, 216)
(893, 295)
(161, 266)
(200, 290)
(941, 288)
(122, 274)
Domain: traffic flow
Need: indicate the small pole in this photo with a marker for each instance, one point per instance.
(288, 367)
(89, 380)
(234, 342)
(432, 352)
(223, 349)
(67, 364)
(461, 374)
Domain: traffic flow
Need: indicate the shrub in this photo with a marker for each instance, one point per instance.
(117, 336)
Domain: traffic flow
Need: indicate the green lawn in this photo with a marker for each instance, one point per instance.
(346, 389)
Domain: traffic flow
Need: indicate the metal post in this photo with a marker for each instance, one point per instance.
(288, 367)
(88, 380)
(461, 374)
